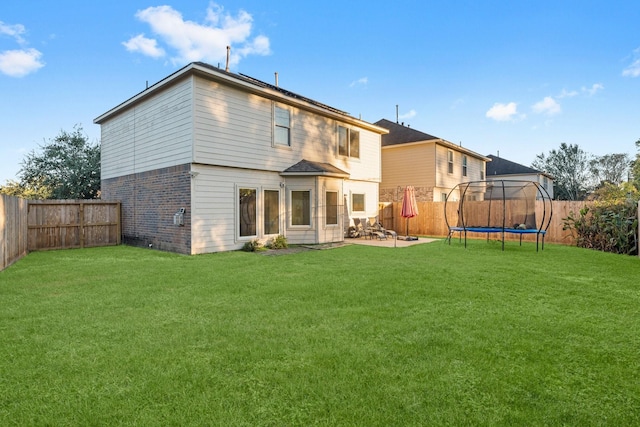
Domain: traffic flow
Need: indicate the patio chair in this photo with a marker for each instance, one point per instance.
(376, 229)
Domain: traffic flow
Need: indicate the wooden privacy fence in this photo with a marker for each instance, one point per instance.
(13, 230)
(431, 220)
(64, 224)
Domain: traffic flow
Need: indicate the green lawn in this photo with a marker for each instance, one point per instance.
(426, 335)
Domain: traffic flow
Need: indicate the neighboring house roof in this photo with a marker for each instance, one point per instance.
(307, 167)
(500, 166)
(399, 134)
(247, 84)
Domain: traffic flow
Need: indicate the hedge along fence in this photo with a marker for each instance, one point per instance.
(431, 220)
(13, 229)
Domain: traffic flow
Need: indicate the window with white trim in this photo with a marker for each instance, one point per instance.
(357, 202)
(348, 142)
(450, 161)
(247, 214)
(464, 165)
(301, 207)
(282, 126)
(271, 210)
(331, 208)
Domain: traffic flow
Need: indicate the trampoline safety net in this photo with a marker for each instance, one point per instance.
(506, 206)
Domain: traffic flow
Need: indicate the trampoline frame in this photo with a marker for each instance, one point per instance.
(540, 231)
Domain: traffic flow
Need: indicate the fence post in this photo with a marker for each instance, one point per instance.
(81, 229)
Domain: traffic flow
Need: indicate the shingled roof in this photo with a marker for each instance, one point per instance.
(307, 167)
(401, 134)
(500, 166)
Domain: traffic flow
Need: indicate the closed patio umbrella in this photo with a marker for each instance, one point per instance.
(409, 209)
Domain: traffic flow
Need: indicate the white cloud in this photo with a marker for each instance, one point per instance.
(568, 94)
(548, 106)
(145, 46)
(14, 31)
(19, 63)
(408, 115)
(191, 41)
(361, 81)
(503, 112)
(595, 88)
(633, 70)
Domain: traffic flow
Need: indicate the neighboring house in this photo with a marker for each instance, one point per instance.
(206, 160)
(500, 168)
(432, 165)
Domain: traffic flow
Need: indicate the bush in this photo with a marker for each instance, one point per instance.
(253, 246)
(608, 227)
(279, 242)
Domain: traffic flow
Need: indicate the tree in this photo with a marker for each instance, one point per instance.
(611, 168)
(569, 166)
(15, 188)
(69, 167)
(635, 167)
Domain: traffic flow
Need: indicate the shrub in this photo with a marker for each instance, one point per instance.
(253, 246)
(278, 242)
(608, 227)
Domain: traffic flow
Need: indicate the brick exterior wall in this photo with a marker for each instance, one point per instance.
(149, 201)
(423, 194)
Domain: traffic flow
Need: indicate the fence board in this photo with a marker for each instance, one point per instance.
(64, 224)
(13, 229)
(431, 220)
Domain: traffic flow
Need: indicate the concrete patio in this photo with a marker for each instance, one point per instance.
(389, 242)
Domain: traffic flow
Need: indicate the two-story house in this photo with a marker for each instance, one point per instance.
(432, 165)
(206, 160)
(503, 169)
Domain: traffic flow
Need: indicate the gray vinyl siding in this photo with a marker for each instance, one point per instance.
(153, 134)
(234, 128)
(214, 221)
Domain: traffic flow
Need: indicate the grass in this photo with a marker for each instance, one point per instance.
(427, 335)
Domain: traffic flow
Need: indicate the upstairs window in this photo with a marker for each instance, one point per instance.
(282, 126)
(348, 142)
(464, 165)
(450, 161)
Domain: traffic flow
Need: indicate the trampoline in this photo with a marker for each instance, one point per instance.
(500, 206)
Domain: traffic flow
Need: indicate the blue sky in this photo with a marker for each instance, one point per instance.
(510, 77)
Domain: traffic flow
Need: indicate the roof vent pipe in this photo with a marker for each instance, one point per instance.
(397, 113)
(276, 73)
(226, 68)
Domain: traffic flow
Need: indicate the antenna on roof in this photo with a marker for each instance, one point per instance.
(228, 52)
